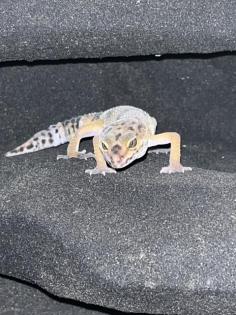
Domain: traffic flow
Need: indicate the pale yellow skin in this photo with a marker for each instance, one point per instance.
(121, 135)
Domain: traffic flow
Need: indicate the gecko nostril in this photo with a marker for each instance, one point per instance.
(116, 149)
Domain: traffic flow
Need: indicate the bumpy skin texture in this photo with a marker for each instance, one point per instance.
(121, 135)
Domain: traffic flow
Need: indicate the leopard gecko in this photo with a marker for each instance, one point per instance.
(121, 135)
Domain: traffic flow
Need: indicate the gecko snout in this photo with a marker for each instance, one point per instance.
(118, 160)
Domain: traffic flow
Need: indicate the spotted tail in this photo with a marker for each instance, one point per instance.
(52, 137)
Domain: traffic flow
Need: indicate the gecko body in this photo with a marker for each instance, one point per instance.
(121, 135)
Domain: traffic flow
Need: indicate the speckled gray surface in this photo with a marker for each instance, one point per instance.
(138, 241)
(170, 240)
(18, 298)
(31, 30)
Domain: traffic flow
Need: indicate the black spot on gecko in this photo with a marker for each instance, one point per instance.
(30, 146)
(36, 139)
(116, 149)
(131, 128)
(140, 127)
(21, 149)
(43, 141)
(50, 140)
(50, 135)
(118, 136)
(56, 130)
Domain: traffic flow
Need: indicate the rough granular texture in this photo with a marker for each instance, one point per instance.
(31, 30)
(19, 298)
(139, 240)
(166, 239)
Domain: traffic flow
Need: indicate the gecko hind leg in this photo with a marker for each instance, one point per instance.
(81, 155)
(88, 130)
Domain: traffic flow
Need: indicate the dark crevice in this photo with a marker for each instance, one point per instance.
(118, 59)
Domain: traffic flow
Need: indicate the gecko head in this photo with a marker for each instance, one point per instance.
(122, 143)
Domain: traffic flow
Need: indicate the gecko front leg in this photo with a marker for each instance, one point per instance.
(174, 139)
(101, 167)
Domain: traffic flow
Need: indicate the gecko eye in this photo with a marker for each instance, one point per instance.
(132, 143)
(104, 146)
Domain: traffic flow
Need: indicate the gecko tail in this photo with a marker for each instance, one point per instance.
(52, 137)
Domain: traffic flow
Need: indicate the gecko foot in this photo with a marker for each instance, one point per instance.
(157, 151)
(64, 157)
(175, 169)
(81, 155)
(84, 156)
(102, 171)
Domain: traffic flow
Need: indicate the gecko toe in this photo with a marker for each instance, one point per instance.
(100, 171)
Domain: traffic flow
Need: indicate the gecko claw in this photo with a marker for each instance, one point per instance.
(96, 170)
(174, 169)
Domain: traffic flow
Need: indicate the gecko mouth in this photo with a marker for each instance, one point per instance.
(115, 165)
(121, 164)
